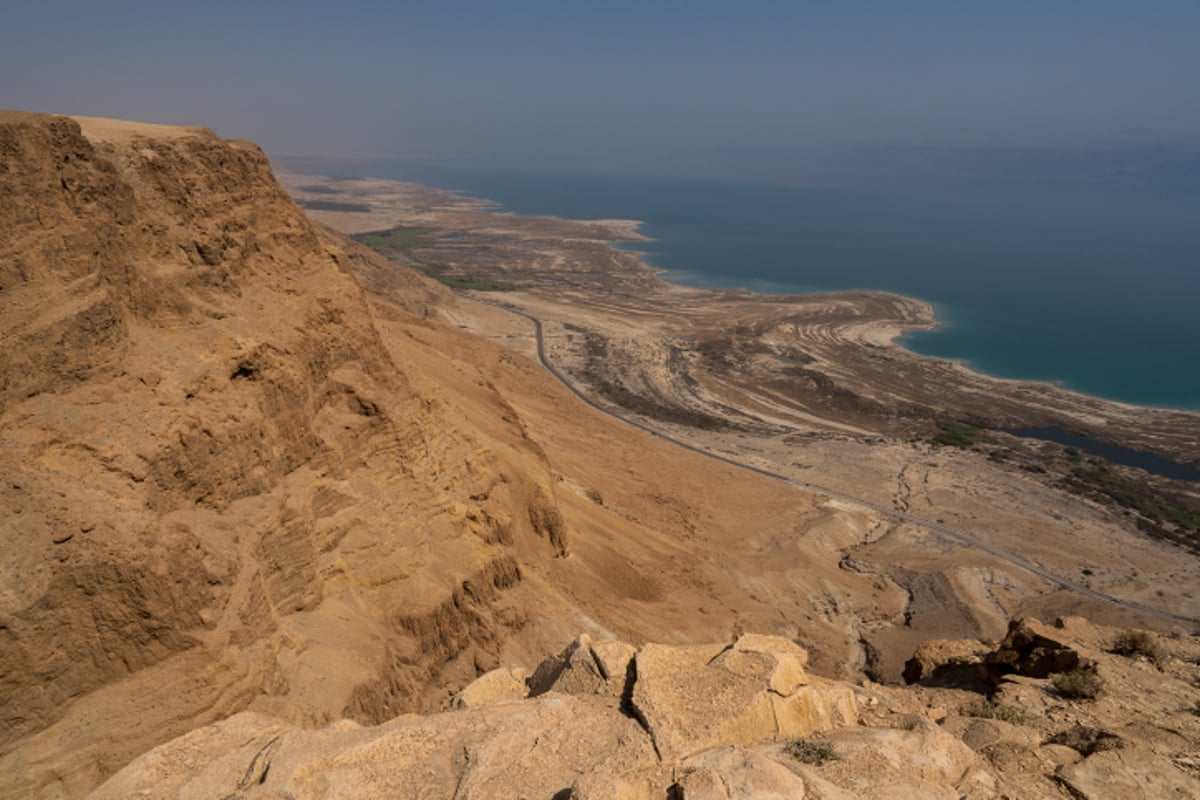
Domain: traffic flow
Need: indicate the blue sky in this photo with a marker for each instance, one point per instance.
(615, 80)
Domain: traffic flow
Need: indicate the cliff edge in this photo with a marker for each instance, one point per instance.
(221, 490)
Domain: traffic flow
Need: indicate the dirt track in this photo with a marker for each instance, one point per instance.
(898, 516)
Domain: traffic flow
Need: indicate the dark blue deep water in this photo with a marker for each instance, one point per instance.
(1091, 284)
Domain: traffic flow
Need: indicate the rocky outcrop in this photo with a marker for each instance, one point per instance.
(1133, 773)
(702, 722)
(685, 722)
(948, 663)
(1033, 650)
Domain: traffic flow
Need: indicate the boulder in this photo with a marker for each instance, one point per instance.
(818, 706)
(979, 733)
(535, 748)
(1032, 649)
(614, 660)
(918, 761)
(498, 686)
(750, 692)
(605, 786)
(178, 767)
(689, 706)
(733, 774)
(573, 671)
(776, 661)
(1129, 773)
(955, 663)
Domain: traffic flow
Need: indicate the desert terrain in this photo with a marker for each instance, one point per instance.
(263, 486)
(815, 390)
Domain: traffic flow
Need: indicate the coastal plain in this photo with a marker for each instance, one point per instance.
(816, 390)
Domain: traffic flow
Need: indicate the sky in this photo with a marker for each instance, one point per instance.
(613, 81)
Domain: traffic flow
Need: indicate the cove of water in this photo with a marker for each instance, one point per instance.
(1155, 465)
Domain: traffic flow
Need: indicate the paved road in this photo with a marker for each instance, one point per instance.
(884, 511)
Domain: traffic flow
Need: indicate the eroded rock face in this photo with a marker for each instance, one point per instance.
(221, 489)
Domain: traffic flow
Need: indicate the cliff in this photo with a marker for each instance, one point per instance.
(220, 488)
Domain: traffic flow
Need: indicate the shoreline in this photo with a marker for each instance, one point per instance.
(628, 230)
(562, 264)
(896, 339)
(1060, 331)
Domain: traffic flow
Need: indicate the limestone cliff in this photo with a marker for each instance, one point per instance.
(220, 490)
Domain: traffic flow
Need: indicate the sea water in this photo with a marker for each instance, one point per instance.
(1094, 285)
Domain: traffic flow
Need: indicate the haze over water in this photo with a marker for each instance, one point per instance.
(1081, 269)
(1074, 262)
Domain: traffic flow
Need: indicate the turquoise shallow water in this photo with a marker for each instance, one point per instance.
(1093, 286)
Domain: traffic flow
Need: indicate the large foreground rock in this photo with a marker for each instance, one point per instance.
(583, 728)
(705, 723)
(534, 749)
(689, 706)
(1129, 773)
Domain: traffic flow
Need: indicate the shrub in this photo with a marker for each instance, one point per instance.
(1079, 684)
(1132, 644)
(1085, 740)
(812, 751)
(957, 434)
(990, 709)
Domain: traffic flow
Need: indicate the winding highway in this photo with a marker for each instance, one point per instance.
(897, 516)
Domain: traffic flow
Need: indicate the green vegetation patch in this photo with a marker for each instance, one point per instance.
(398, 240)
(1135, 644)
(401, 243)
(1079, 684)
(316, 188)
(333, 205)
(473, 282)
(792, 358)
(990, 709)
(812, 751)
(957, 434)
(1170, 516)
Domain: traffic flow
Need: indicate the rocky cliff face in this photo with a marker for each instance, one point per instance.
(220, 489)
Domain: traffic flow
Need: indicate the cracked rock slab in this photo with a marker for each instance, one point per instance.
(689, 706)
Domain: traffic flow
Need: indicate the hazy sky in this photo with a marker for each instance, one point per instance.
(612, 80)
